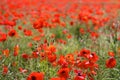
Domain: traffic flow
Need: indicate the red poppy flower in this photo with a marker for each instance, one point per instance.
(62, 61)
(84, 53)
(93, 57)
(52, 58)
(111, 62)
(84, 64)
(69, 58)
(35, 54)
(27, 32)
(10, 23)
(3, 37)
(12, 33)
(36, 26)
(25, 56)
(56, 20)
(87, 64)
(111, 54)
(94, 35)
(52, 48)
(20, 27)
(16, 50)
(5, 70)
(63, 73)
(39, 23)
(6, 52)
(36, 38)
(81, 30)
(79, 75)
(36, 76)
(42, 56)
(71, 23)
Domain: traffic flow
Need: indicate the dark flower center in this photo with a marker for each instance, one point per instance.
(33, 78)
(63, 72)
(42, 55)
(68, 56)
(84, 52)
(13, 33)
(79, 74)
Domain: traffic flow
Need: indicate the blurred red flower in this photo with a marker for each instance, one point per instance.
(5, 70)
(12, 33)
(3, 37)
(111, 62)
(63, 73)
(36, 76)
(27, 32)
(84, 53)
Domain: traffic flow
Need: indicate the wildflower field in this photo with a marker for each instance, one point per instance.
(59, 39)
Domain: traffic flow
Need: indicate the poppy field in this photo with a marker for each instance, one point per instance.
(59, 39)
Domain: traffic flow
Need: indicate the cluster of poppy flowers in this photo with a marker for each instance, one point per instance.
(83, 63)
(36, 19)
